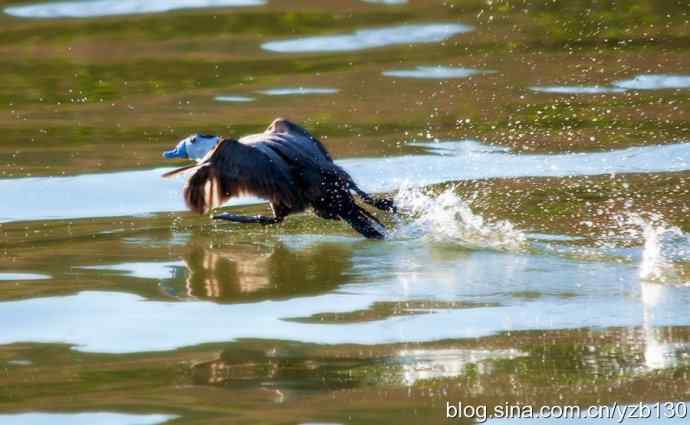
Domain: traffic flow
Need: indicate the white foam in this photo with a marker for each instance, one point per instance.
(435, 72)
(369, 38)
(448, 218)
(663, 246)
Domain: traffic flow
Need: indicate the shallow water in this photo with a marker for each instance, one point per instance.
(370, 38)
(655, 82)
(434, 72)
(400, 273)
(288, 91)
(94, 8)
(159, 271)
(387, 1)
(541, 257)
(144, 192)
(240, 99)
(22, 276)
(640, 82)
(84, 418)
(577, 89)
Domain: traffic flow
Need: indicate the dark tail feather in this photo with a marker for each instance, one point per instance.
(384, 204)
(203, 190)
(363, 222)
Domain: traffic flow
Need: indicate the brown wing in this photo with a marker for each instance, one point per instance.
(234, 169)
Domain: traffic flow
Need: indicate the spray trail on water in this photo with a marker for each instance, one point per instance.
(447, 218)
(665, 248)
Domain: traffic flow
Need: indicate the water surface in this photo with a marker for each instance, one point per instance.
(577, 89)
(144, 192)
(387, 1)
(84, 418)
(240, 99)
(655, 82)
(380, 273)
(535, 275)
(160, 271)
(94, 8)
(369, 38)
(435, 72)
(288, 91)
(640, 82)
(22, 276)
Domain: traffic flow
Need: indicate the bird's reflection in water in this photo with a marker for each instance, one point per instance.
(286, 367)
(250, 271)
(223, 272)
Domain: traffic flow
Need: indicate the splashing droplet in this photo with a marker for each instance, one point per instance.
(448, 218)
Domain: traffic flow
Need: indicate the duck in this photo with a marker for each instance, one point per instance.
(286, 166)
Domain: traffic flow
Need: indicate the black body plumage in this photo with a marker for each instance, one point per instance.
(291, 169)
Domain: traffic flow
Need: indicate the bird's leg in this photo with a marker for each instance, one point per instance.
(384, 204)
(254, 219)
(279, 213)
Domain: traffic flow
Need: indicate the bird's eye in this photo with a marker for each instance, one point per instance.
(193, 140)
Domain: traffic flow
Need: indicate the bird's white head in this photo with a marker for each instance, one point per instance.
(193, 147)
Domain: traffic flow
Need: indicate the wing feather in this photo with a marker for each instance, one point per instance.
(299, 138)
(235, 169)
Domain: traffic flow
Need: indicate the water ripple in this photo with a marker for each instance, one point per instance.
(94, 8)
(369, 38)
(142, 192)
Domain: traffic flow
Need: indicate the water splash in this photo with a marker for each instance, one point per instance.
(665, 248)
(426, 364)
(447, 218)
(129, 193)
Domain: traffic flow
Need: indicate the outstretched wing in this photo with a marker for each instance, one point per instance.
(234, 169)
(299, 138)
